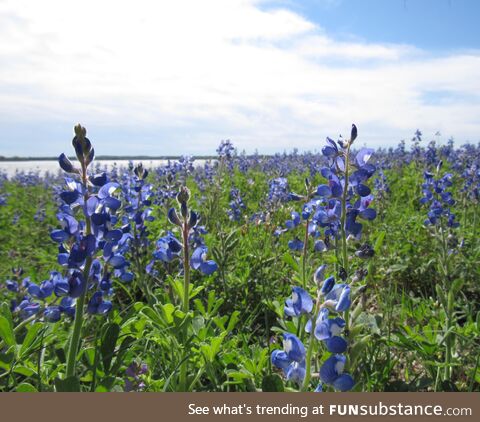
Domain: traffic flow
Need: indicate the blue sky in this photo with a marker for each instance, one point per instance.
(436, 25)
(163, 78)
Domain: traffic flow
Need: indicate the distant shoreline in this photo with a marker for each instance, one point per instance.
(108, 158)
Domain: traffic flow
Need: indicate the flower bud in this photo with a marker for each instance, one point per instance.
(183, 195)
(328, 285)
(173, 217)
(365, 251)
(80, 131)
(140, 171)
(66, 164)
(353, 134)
(319, 274)
(82, 145)
(192, 221)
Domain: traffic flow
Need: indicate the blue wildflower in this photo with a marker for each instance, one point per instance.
(199, 261)
(300, 303)
(331, 373)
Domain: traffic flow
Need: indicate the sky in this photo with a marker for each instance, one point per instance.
(176, 77)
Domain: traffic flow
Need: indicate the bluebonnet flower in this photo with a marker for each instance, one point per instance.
(435, 192)
(331, 373)
(98, 305)
(338, 298)
(41, 292)
(133, 377)
(328, 330)
(237, 207)
(52, 313)
(336, 191)
(12, 285)
(3, 199)
(471, 186)
(138, 196)
(300, 303)
(199, 261)
(295, 244)
(169, 247)
(226, 149)
(27, 308)
(291, 360)
(278, 190)
(84, 243)
(32, 299)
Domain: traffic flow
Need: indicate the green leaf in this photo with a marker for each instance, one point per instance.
(198, 323)
(369, 321)
(122, 350)
(167, 311)
(23, 370)
(5, 311)
(290, 260)
(6, 331)
(68, 385)
(379, 242)
(25, 387)
(272, 383)
(200, 308)
(457, 285)
(31, 338)
(6, 359)
(233, 321)
(109, 341)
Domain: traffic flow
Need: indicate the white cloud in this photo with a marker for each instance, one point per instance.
(212, 69)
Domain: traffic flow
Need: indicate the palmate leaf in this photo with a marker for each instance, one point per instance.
(6, 331)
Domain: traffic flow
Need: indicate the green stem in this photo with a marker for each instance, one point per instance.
(449, 306)
(79, 306)
(344, 223)
(344, 210)
(308, 361)
(77, 326)
(186, 299)
(304, 257)
(474, 230)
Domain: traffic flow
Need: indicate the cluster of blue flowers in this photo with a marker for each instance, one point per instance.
(436, 193)
(168, 247)
(471, 187)
(237, 207)
(92, 239)
(3, 196)
(278, 190)
(134, 377)
(323, 324)
(137, 212)
(170, 177)
(92, 243)
(225, 150)
(322, 209)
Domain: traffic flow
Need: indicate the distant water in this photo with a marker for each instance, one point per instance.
(10, 167)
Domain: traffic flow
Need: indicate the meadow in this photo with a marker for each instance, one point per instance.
(351, 269)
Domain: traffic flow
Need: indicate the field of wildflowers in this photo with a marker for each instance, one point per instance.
(348, 270)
